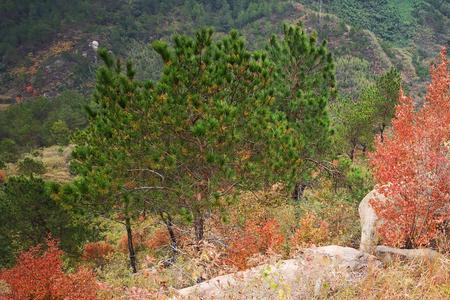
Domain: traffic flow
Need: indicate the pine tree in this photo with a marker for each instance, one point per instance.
(112, 154)
(219, 121)
(388, 90)
(304, 83)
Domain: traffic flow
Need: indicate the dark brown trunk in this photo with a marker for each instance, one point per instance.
(352, 153)
(382, 132)
(298, 191)
(173, 239)
(198, 227)
(131, 250)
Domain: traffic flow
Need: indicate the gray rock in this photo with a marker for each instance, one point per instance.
(313, 272)
(369, 222)
(388, 254)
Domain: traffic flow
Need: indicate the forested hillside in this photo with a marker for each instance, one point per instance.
(45, 44)
(226, 149)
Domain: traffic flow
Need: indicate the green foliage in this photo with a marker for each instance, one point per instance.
(386, 95)
(356, 177)
(352, 76)
(31, 25)
(356, 122)
(353, 124)
(28, 125)
(30, 166)
(8, 150)
(217, 106)
(304, 84)
(60, 132)
(391, 20)
(109, 148)
(30, 214)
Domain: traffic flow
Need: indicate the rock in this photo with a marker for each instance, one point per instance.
(343, 257)
(313, 272)
(387, 254)
(369, 222)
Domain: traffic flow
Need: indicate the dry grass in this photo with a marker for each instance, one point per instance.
(56, 162)
(4, 106)
(403, 280)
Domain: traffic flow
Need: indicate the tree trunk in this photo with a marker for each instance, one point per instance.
(352, 153)
(198, 227)
(173, 239)
(382, 132)
(298, 191)
(130, 245)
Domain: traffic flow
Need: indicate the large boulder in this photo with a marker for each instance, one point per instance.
(369, 222)
(314, 272)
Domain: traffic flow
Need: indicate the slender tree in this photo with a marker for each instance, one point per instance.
(387, 92)
(112, 154)
(304, 83)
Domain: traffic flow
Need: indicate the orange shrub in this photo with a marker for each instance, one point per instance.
(310, 232)
(412, 166)
(159, 239)
(97, 252)
(255, 238)
(40, 276)
(2, 176)
(138, 241)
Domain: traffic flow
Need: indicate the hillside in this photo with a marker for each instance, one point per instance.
(55, 55)
(224, 149)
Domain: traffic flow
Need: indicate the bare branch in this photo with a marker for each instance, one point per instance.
(148, 170)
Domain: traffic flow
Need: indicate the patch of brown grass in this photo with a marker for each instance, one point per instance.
(400, 280)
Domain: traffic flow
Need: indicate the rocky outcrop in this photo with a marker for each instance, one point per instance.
(388, 254)
(369, 222)
(314, 272)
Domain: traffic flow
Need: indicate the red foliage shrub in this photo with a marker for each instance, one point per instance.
(412, 166)
(39, 275)
(97, 252)
(255, 238)
(159, 239)
(2, 176)
(138, 241)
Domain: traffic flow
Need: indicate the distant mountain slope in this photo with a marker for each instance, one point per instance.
(45, 49)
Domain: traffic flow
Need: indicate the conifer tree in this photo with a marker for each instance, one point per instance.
(387, 92)
(304, 81)
(219, 122)
(112, 154)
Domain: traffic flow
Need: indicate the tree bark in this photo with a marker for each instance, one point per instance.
(131, 250)
(352, 153)
(382, 132)
(173, 239)
(298, 191)
(198, 227)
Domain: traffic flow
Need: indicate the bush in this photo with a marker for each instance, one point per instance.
(311, 232)
(255, 238)
(30, 166)
(412, 167)
(97, 252)
(159, 239)
(39, 275)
